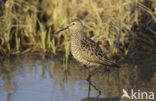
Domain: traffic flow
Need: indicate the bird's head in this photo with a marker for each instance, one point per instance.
(75, 25)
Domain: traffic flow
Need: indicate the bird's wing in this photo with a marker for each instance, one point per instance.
(94, 52)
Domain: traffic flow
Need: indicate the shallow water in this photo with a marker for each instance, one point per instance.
(35, 78)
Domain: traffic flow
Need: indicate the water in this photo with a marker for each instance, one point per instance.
(33, 78)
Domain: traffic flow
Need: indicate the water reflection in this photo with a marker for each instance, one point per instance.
(31, 77)
(101, 99)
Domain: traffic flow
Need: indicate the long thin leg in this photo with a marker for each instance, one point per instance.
(89, 87)
(91, 84)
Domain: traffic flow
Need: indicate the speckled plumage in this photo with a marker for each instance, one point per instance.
(84, 49)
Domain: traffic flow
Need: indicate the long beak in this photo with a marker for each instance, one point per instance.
(62, 30)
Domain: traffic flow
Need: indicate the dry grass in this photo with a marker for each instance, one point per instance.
(117, 25)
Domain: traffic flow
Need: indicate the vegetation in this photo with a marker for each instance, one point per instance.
(119, 26)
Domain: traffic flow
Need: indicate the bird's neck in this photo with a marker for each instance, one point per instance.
(78, 35)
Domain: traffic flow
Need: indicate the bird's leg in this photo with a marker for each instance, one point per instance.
(91, 84)
(83, 67)
(96, 89)
(89, 87)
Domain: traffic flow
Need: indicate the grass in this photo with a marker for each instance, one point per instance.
(17, 41)
(53, 46)
(67, 51)
(43, 37)
(119, 26)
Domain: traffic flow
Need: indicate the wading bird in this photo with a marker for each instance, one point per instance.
(84, 49)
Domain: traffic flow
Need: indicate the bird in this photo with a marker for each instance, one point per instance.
(84, 49)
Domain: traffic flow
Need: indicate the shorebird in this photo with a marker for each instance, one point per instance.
(85, 50)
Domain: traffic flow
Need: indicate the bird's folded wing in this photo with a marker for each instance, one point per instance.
(91, 52)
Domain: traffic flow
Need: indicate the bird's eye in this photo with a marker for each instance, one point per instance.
(73, 23)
